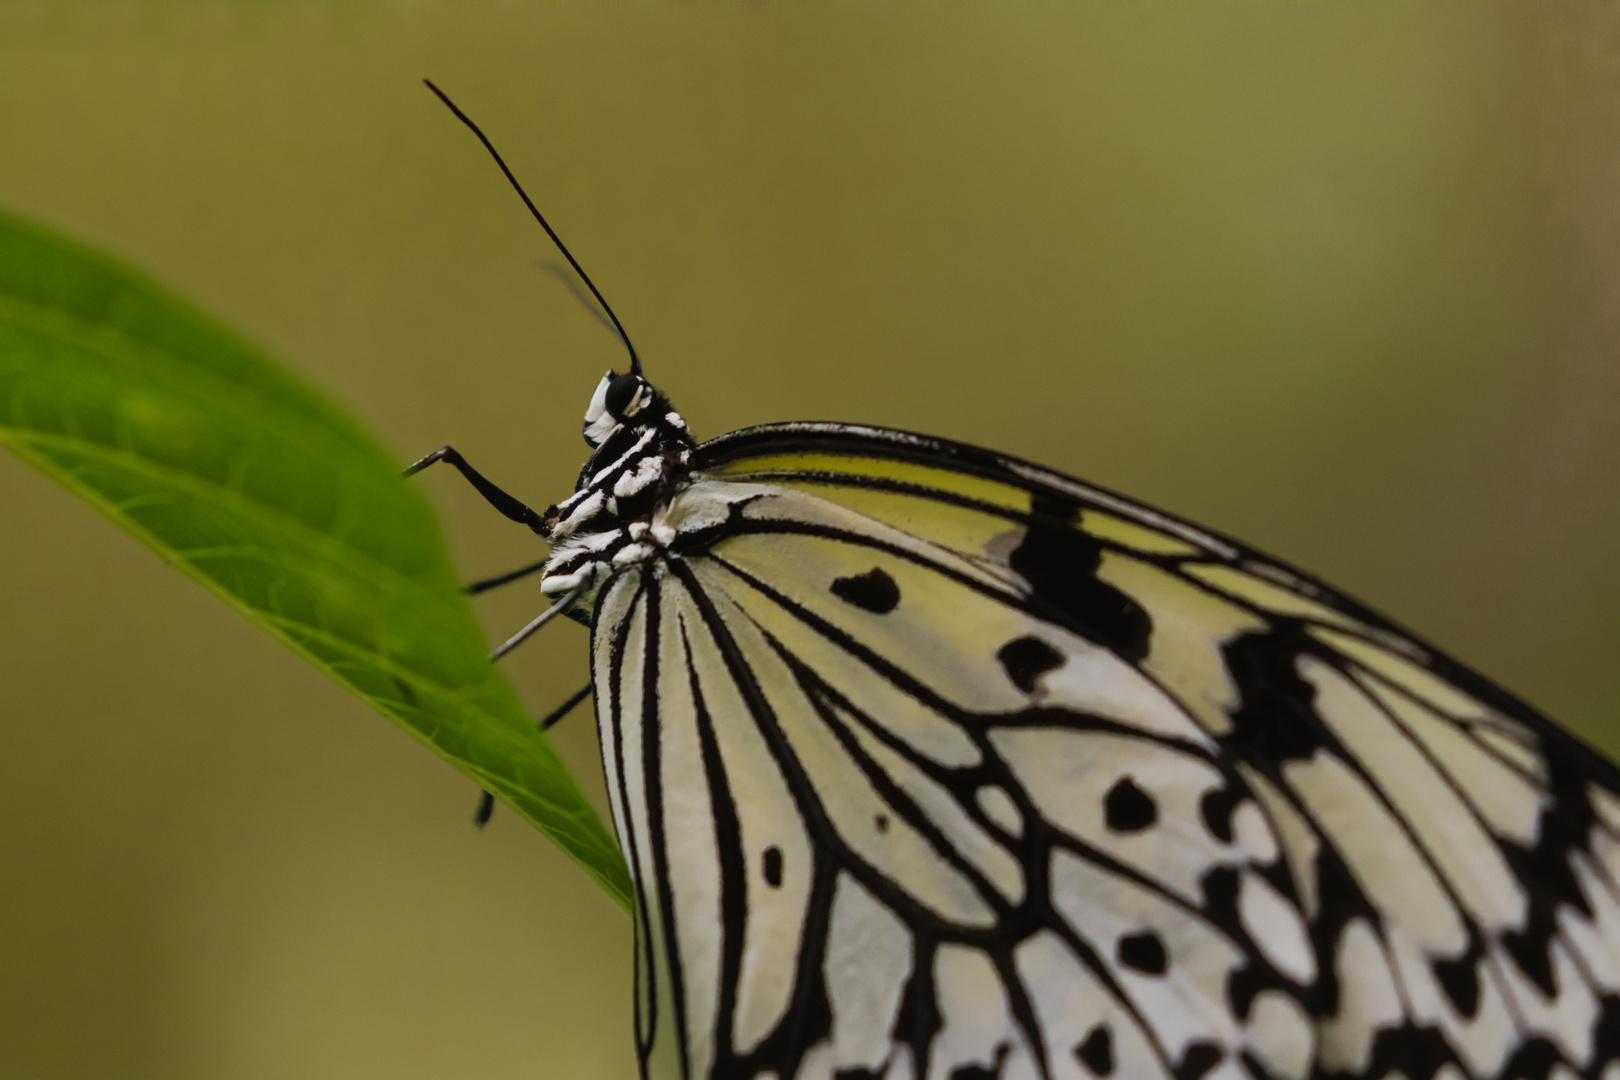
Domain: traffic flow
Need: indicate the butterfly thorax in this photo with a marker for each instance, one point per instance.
(641, 461)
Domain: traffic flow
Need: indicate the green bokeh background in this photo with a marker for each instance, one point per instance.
(1341, 280)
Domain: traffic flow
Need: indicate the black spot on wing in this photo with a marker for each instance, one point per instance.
(1414, 1051)
(1198, 1060)
(1097, 1051)
(1531, 952)
(1026, 659)
(881, 821)
(1275, 720)
(1220, 888)
(1535, 1058)
(1060, 563)
(1606, 1032)
(1144, 952)
(1460, 979)
(1216, 808)
(982, 1072)
(772, 866)
(874, 591)
(1127, 808)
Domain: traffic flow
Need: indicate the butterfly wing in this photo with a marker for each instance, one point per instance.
(930, 762)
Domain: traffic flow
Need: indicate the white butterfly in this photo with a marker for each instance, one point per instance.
(928, 762)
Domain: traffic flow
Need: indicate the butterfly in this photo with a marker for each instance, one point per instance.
(929, 762)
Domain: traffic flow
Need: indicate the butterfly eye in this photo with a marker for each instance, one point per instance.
(621, 393)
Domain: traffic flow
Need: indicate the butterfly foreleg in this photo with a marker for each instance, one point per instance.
(486, 801)
(512, 508)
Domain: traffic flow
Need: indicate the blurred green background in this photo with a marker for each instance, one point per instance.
(1341, 280)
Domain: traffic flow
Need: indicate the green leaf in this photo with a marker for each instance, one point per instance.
(274, 500)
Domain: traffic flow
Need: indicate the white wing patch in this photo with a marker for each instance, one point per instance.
(1369, 1000)
(869, 958)
(977, 1026)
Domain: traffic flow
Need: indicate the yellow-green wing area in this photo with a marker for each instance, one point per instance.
(276, 502)
(1429, 880)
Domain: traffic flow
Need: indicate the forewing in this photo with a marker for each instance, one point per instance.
(1108, 789)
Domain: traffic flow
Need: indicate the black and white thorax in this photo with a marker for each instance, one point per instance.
(619, 513)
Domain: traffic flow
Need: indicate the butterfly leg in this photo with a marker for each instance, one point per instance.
(490, 583)
(514, 509)
(486, 804)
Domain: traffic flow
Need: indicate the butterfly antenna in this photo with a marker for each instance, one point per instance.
(635, 361)
(571, 283)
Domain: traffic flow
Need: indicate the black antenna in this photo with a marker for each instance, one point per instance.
(635, 361)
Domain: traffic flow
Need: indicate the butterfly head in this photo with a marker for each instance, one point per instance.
(619, 400)
(641, 450)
